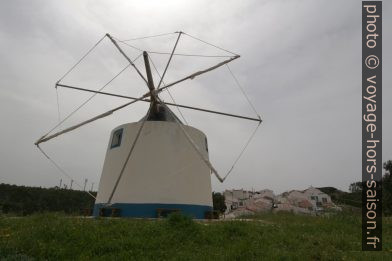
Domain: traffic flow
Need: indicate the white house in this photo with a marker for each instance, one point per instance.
(253, 201)
(306, 201)
(236, 198)
(319, 199)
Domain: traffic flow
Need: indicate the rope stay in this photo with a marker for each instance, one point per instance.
(243, 92)
(242, 151)
(220, 48)
(146, 37)
(147, 97)
(168, 62)
(129, 45)
(178, 54)
(58, 105)
(81, 59)
(62, 170)
(255, 130)
(192, 55)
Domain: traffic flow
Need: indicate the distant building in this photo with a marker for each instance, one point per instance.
(236, 198)
(308, 201)
(242, 201)
(319, 199)
(305, 201)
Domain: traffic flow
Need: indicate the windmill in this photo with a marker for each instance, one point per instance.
(158, 164)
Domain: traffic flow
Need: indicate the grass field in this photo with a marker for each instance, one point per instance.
(267, 237)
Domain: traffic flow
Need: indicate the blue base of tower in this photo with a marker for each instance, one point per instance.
(150, 210)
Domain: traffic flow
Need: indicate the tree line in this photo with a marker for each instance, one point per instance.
(22, 200)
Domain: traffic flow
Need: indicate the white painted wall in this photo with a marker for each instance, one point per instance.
(164, 167)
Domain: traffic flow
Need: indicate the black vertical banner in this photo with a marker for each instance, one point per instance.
(371, 125)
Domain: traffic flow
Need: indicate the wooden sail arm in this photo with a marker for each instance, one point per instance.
(150, 84)
(74, 127)
(168, 62)
(193, 75)
(197, 149)
(167, 103)
(126, 57)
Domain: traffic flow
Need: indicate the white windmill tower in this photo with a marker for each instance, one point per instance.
(156, 165)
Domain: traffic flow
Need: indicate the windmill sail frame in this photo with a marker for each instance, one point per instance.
(156, 104)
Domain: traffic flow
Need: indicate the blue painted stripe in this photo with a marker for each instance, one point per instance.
(149, 210)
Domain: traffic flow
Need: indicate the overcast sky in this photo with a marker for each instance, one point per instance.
(300, 65)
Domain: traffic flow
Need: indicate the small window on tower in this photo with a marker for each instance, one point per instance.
(206, 144)
(116, 139)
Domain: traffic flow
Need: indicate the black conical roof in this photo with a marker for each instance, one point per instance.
(163, 113)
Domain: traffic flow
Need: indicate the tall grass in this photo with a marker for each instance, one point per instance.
(269, 237)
